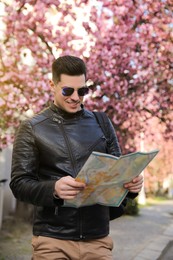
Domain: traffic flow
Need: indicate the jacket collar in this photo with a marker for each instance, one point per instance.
(64, 114)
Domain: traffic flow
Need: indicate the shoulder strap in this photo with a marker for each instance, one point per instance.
(103, 121)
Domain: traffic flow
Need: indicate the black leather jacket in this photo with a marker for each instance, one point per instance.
(47, 147)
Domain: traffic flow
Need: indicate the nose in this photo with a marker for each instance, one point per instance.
(75, 95)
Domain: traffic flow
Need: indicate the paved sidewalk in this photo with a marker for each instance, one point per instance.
(145, 237)
(167, 253)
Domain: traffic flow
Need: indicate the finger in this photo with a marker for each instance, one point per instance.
(69, 194)
(73, 183)
(79, 185)
(137, 179)
(69, 191)
(133, 186)
(130, 187)
(135, 189)
(133, 183)
(70, 188)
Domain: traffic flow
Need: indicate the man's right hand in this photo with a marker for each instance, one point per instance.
(67, 188)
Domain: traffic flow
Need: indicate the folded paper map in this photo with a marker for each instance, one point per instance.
(105, 174)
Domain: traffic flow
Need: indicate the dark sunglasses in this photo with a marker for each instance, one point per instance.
(68, 91)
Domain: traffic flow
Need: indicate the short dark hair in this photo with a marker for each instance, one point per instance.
(69, 65)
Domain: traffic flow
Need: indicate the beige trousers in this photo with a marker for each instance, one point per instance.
(47, 248)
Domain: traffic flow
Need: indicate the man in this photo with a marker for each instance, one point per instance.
(49, 151)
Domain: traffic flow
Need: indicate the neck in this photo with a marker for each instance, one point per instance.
(64, 113)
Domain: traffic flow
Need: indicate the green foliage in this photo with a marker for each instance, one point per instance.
(132, 207)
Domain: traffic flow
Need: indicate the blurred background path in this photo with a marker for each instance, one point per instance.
(144, 236)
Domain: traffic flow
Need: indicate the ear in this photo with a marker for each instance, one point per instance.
(52, 85)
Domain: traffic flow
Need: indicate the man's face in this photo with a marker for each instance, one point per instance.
(72, 103)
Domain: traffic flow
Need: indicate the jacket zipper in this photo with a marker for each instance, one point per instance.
(60, 122)
(72, 159)
(74, 167)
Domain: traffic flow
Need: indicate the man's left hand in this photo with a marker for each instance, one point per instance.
(135, 185)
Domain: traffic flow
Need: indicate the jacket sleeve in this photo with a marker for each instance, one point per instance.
(25, 183)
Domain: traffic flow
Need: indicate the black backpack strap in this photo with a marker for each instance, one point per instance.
(103, 121)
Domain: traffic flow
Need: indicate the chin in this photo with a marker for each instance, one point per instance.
(71, 111)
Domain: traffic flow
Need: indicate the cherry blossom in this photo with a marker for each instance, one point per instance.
(126, 44)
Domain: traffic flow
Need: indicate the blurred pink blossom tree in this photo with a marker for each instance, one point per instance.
(128, 47)
(131, 64)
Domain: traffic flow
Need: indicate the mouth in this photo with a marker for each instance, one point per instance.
(73, 104)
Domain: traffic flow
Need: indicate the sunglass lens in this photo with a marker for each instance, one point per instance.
(83, 91)
(67, 91)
